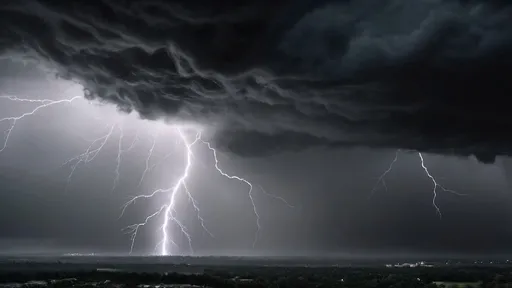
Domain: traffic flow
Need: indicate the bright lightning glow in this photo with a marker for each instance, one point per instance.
(168, 214)
(134, 228)
(434, 181)
(168, 210)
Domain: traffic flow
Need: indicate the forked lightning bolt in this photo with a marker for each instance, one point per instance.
(381, 179)
(43, 103)
(120, 152)
(90, 153)
(134, 228)
(118, 158)
(434, 181)
(241, 180)
(434, 191)
(168, 210)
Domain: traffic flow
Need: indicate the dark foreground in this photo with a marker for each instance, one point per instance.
(261, 276)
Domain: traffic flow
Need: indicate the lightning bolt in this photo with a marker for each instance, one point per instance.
(134, 228)
(118, 158)
(44, 103)
(167, 210)
(168, 214)
(436, 185)
(89, 154)
(285, 202)
(381, 179)
(120, 152)
(234, 177)
(148, 159)
(198, 211)
(133, 144)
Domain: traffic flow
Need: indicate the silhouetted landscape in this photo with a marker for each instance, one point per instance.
(248, 272)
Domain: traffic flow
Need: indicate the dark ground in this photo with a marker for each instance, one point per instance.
(246, 272)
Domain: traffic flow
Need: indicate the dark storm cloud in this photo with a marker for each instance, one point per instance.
(424, 74)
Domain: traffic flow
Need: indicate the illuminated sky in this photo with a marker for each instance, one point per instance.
(314, 125)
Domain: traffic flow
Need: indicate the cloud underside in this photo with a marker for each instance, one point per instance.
(427, 75)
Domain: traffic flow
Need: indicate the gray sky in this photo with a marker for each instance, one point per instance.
(309, 99)
(330, 189)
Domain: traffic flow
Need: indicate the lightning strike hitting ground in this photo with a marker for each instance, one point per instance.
(134, 228)
(436, 184)
(168, 210)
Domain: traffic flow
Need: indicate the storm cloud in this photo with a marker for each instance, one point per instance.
(428, 75)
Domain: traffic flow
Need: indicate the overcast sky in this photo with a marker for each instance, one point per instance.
(301, 123)
(330, 189)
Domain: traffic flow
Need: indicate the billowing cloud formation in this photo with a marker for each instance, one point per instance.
(432, 75)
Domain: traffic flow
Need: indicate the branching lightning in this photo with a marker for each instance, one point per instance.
(90, 153)
(434, 191)
(134, 228)
(148, 159)
(168, 210)
(241, 180)
(120, 152)
(43, 103)
(381, 180)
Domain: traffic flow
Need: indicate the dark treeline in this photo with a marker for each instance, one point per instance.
(252, 277)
